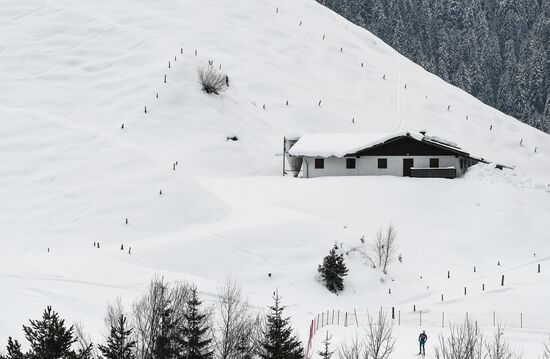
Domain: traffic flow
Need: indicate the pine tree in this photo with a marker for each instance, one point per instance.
(48, 338)
(277, 340)
(119, 343)
(197, 344)
(333, 270)
(326, 353)
(168, 342)
(13, 350)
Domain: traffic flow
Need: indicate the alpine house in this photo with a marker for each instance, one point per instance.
(410, 154)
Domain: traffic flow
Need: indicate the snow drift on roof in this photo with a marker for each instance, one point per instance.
(341, 144)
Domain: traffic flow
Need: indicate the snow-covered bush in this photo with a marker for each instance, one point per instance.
(212, 80)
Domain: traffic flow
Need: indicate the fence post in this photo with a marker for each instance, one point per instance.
(414, 308)
(356, 321)
(393, 312)
(476, 327)
(464, 290)
(346, 320)
(466, 316)
(443, 320)
(338, 316)
(333, 316)
(502, 281)
(399, 316)
(538, 266)
(521, 320)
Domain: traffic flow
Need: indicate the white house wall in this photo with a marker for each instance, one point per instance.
(368, 166)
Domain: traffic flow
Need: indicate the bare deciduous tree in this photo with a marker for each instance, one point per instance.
(351, 350)
(235, 322)
(84, 340)
(547, 350)
(380, 342)
(149, 310)
(385, 247)
(212, 80)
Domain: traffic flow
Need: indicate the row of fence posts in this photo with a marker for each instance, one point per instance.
(346, 319)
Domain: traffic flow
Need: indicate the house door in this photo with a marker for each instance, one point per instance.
(407, 164)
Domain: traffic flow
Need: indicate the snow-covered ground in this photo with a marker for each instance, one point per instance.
(72, 72)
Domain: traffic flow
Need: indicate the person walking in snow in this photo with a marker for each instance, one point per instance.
(422, 339)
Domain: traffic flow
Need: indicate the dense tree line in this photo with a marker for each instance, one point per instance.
(169, 322)
(498, 51)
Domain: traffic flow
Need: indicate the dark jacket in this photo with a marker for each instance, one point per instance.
(423, 338)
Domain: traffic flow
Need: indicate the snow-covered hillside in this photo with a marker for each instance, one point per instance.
(72, 72)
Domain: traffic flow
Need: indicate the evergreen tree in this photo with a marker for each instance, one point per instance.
(48, 338)
(13, 350)
(168, 341)
(119, 344)
(326, 353)
(197, 343)
(277, 340)
(333, 270)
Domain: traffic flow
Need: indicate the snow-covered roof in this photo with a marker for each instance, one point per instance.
(341, 144)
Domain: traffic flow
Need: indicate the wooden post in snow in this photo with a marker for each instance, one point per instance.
(521, 320)
(399, 317)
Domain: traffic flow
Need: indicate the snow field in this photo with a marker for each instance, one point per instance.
(72, 73)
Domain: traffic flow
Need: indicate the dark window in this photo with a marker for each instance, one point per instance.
(434, 162)
(382, 163)
(350, 163)
(461, 163)
(319, 163)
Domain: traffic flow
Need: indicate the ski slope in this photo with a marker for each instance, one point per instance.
(73, 72)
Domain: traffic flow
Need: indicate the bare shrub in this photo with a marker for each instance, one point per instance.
(498, 348)
(463, 342)
(212, 80)
(235, 323)
(351, 350)
(380, 342)
(385, 247)
(547, 350)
